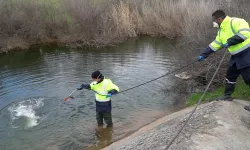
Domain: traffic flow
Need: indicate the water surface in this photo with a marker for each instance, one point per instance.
(35, 82)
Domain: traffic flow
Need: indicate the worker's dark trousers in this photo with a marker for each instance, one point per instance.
(107, 116)
(232, 75)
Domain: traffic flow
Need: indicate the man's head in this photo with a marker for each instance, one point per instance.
(218, 16)
(97, 76)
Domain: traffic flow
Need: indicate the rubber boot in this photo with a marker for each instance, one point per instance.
(229, 89)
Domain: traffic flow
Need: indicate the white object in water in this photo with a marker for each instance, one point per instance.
(26, 109)
(183, 75)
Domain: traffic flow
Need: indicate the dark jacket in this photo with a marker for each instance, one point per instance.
(241, 59)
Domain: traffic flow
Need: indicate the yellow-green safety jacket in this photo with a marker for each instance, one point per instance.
(228, 28)
(103, 103)
(235, 32)
(103, 88)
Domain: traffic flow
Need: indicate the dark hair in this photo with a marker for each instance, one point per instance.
(97, 75)
(219, 14)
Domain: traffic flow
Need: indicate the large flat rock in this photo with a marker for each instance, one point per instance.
(214, 126)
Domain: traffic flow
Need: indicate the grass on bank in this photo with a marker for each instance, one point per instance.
(242, 91)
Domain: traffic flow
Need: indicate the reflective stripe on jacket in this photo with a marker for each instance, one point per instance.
(102, 89)
(103, 103)
(228, 28)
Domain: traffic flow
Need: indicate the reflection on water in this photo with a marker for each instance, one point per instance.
(51, 73)
(104, 138)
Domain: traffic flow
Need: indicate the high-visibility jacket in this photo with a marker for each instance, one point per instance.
(236, 30)
(228, 28)
(103, 103)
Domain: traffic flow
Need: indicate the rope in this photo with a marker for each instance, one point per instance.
(126, 89)
(150, 80)
(210, 82)
(158, 77)
(49, 113)
(119, 92)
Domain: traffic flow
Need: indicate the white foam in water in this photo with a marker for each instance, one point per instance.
(26, 109)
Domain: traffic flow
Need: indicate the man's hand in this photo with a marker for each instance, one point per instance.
(201, 58)
(80, 87)
(226, 45)
(109, 95)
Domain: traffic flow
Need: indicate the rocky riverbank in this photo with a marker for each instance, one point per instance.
(214, 125)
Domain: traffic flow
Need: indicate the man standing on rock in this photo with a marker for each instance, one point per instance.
(233, 34)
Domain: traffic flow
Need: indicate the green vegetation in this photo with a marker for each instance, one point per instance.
(242, 91)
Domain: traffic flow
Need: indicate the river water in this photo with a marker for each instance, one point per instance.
(34, 83)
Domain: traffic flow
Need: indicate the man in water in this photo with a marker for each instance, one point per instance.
(104, 89)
